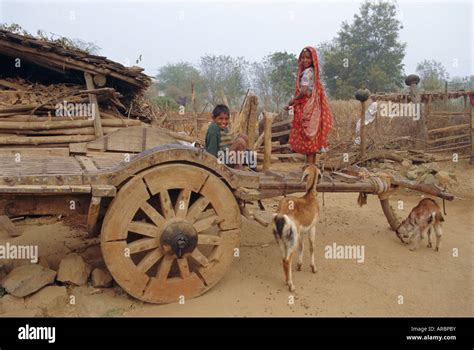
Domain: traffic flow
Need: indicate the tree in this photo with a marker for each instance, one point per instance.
(465, 83)
(273, 79)
(432, 75)
(366, 53)
(224, 73)
(282, 77)
(261, 83)
(175, 80)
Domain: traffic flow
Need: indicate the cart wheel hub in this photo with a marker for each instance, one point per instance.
(179, 237)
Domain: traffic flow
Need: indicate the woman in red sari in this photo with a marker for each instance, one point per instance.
(312, 119)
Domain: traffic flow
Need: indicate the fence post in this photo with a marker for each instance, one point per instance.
(422, 133)
(267, 143)
(362, 95)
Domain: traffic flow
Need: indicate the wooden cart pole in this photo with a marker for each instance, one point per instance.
(472, 131)
(267, 143)
(93, 100)
(362, 95)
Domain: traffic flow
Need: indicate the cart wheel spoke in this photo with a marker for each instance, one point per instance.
(152, 213)
(143, 244)
(204, 224)
(182, 203)
(143, 228)
(183, 267)
(164, 267)
(199, 257)
(197, 208)
(149, 260)
(209, 240)
(166, 205)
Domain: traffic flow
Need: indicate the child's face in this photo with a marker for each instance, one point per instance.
(306, 59)
(222, 120)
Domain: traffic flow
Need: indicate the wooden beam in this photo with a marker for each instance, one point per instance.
(449, 138)
(267, 140)
(449, 128)
(93, 216)
(362, 129)
(34, 152)
(95, 104)
(472, 132)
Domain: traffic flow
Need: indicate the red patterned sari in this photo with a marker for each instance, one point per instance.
(312, 119)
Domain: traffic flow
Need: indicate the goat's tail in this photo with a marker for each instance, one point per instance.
(284, 227)
(279, 222)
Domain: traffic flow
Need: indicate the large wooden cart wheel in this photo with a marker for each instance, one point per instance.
(171, 232)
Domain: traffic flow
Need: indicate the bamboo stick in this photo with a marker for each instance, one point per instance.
(21, 140)
(448, 138)
(448, 128)
(267, 140)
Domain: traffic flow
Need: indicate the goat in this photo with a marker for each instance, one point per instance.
(425, 217)
(295, 217)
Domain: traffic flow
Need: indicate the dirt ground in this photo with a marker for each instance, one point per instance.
(391, 281)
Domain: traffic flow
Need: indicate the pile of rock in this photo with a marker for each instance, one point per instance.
(428, 173)
(40, 287)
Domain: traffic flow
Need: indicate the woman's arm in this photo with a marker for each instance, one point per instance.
(305, 91)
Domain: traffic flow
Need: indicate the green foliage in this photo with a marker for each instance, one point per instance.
(366, 53)
(274, 79)
(465, 83)
(432, 75)
(175, 81)
(227, 74)
(162, 102)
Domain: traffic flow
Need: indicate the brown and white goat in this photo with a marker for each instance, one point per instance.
(424, 218)
(294, 218)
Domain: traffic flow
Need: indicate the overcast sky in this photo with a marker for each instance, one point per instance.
(169, 32)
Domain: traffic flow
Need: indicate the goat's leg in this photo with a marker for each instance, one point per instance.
(439, 233)
(429, 237)
(291, 286)
(300, 253)
(312, 239)
(415, 241)
(285, 269)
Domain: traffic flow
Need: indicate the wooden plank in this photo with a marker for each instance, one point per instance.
(449, 148)
(80, 147)
(37, 140)
(284, 122)
(42, 125)
(93, 215)
(93, 99)
(267, 143)
(449, 128)
(471, 109)
(35, 152)
(104, 191)
(45, 189)
(7, 226)
(448, 114)
(449, 138)
(281, 133)
(56, 204)
(87, 163)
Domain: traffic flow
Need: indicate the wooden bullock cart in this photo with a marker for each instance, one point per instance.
(169, 217)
